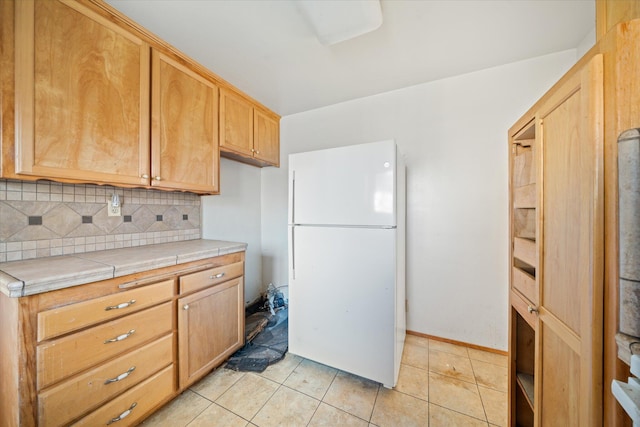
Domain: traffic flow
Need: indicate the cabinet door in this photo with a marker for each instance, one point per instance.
(266, 138)
(236, 123)
(569, 333)
(184, 134)
(210, 328)
(82, 96)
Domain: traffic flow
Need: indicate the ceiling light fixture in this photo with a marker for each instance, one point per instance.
(335, 21)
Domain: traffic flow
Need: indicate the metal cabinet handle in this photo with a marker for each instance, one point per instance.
(119, 306)
(216, 276)
(123, 415)
(531, 309)
(121, 337)
(145, 176)
(185, 307)
(121, 376)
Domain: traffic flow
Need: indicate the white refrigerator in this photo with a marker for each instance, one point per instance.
(347, 259)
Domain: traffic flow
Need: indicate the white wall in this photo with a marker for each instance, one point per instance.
(235, 215)
(453, 133)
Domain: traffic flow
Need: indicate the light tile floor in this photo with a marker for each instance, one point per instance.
(440, 384)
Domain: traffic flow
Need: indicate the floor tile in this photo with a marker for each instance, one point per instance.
(247, 396)
(448, 347)
(352, 394)
(286, 408)
(393, 408)
(486, 356)
(217, 416)
(180, 411)
(413, 381)
(454, 394)
(443, 417)
(451, 365)
(216, 383)
(489, 375)
(279, 371)
(311, 378)
(495, 405)
(417, 340)
(416, 356)
(328, 416)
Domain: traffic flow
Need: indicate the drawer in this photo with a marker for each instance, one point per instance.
(522, 307)
(525, 283)
(525, 250)
(212, 276)
(65, 402)
(524, 197)
(74, 353)
(524, 170)
(130, 407)
(59, 321)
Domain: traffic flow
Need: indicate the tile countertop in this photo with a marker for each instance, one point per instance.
(34, 276)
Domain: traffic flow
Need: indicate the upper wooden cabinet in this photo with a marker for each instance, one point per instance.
(184, 131)
(90, 96)
(247, 133)
(82, 95)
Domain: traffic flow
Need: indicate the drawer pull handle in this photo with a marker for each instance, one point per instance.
(531, 309)
(119, 306)
(216, 276)
(121, 376)
(121, 337)
(123, 415)
(185, 307)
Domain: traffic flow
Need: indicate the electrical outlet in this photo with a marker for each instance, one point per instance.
(113, 210)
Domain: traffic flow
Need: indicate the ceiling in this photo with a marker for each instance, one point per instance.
(267, 49)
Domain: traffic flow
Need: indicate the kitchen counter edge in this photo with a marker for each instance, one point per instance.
(38, 275)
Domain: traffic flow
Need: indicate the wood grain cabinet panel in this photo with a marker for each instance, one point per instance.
(266, 138)
(131, 407)
(184, 134)
(202, 343)
(557, 270)
(247, 133)
(68, 318)
(82, 95)
(236, 123)
(67, 401)
(61, 358)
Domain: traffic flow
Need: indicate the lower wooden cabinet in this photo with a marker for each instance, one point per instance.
(202, 342)
(116, 350)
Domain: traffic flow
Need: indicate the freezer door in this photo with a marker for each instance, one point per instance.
(342, 300)
(353, 185)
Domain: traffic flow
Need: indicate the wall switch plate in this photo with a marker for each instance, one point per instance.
(113, 210)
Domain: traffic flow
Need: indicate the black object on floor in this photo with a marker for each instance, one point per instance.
(267, 347)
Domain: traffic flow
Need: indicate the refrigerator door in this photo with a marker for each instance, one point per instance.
(342, 291)
(352, 185)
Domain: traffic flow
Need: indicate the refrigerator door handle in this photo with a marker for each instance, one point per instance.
(293, 253)
(292, 198)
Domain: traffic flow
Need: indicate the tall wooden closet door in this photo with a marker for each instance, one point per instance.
(570, 312)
